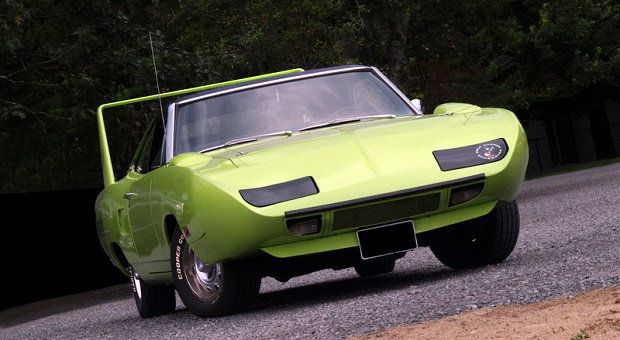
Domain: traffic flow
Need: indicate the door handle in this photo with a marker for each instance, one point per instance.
(129, 195)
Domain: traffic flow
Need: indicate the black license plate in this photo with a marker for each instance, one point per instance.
(387, 239)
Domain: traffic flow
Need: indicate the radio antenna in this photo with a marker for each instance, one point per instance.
(161, 108)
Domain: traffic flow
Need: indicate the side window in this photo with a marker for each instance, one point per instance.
(158, 144)
(150, 156)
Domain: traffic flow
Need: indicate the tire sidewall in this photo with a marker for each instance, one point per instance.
(496, 235)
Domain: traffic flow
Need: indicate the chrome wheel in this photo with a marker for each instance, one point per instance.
(204, 280)
(211, 289)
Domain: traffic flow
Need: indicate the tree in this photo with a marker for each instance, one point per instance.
(61, 60)
(516, 53)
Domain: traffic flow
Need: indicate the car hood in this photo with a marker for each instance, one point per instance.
(361, 159)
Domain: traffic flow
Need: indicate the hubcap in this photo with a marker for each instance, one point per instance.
(203, 279)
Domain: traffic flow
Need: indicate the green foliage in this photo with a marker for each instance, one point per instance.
(581, 336)
(61, 60)
(60, 63)
(520, 53)
(236, 38)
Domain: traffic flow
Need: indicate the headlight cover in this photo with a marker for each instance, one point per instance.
(281, 192)
(471, 155)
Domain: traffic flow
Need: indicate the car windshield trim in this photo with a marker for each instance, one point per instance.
(285, 78)
(310, 102)
(249, 139)
(347, 120)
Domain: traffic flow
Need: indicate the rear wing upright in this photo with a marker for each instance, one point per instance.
(106, 160)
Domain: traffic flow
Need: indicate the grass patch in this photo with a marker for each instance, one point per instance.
(582, 335)
(561, 169)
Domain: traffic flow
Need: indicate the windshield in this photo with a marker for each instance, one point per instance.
(286, 106)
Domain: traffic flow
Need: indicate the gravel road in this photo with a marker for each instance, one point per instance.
(569, 243)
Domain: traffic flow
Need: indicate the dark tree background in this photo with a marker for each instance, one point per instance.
(62, 59)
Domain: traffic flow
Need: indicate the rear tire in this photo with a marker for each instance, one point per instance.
(151, 300)
(485, 240)
(211, 289)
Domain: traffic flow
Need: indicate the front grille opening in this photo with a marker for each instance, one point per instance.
(385, 211)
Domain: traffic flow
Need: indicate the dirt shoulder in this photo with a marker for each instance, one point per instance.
(591, 315)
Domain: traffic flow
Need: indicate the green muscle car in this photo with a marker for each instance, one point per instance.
(287, 173)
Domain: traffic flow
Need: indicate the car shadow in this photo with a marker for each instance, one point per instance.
(283, 298)
(351, 287)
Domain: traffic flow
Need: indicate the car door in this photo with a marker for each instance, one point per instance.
(147, 231)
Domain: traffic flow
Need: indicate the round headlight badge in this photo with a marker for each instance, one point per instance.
(489, 151)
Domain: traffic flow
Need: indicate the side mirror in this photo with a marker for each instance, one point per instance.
(417, 104)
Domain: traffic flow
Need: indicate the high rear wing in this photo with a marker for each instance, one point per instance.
(106, 160)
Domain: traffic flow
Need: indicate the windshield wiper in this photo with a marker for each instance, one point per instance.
(347, 120)
(249, 139)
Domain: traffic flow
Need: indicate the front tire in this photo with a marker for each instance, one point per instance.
(485, 240)
(211, 289)
(151, 300)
